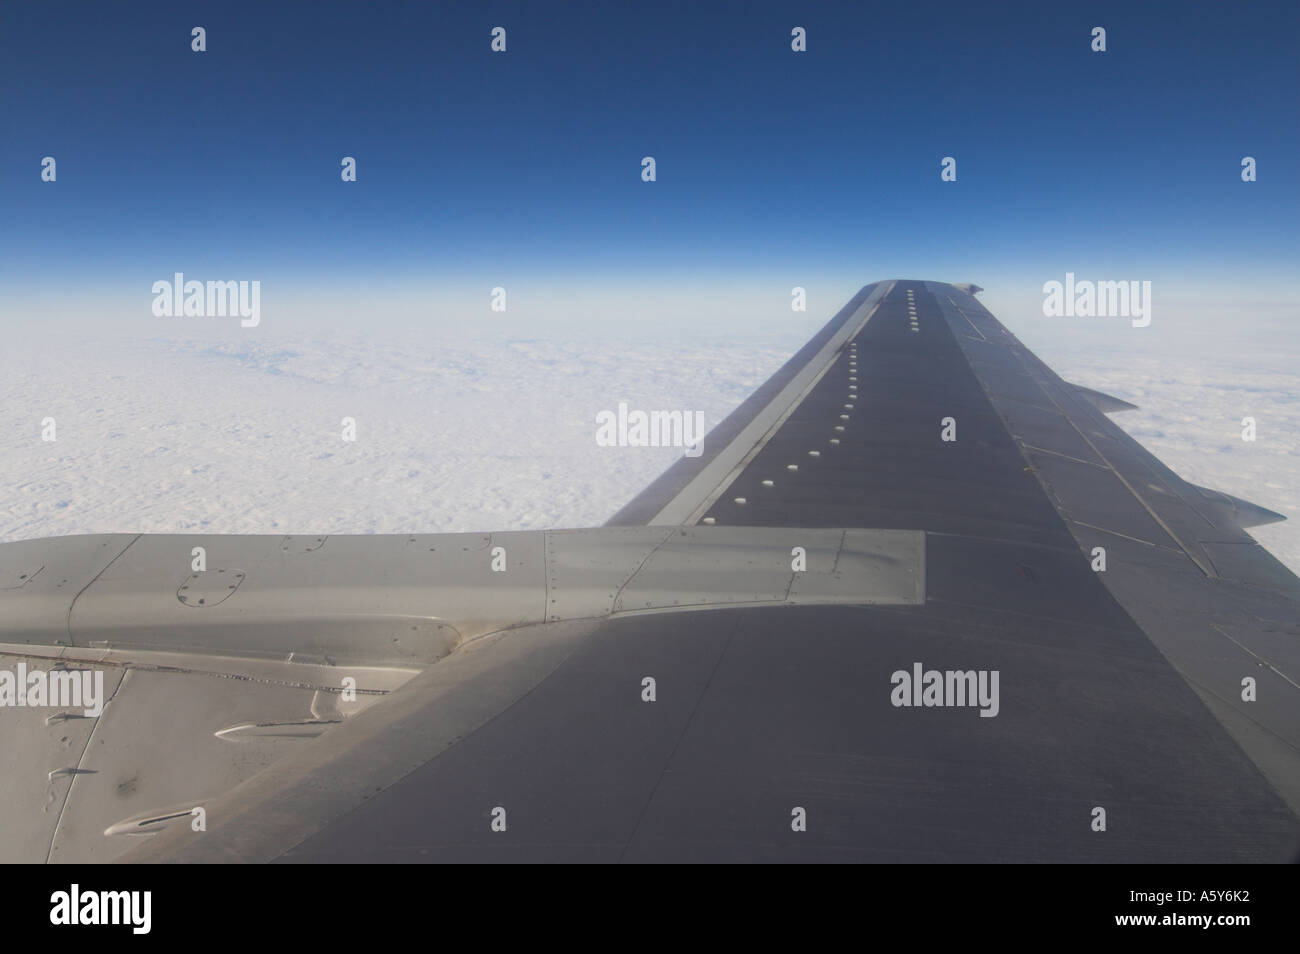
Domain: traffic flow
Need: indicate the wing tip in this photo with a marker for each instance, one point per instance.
(1103, 401)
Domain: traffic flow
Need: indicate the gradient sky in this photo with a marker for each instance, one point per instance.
(774, 168)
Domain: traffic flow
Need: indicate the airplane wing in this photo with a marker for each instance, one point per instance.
(918, 599)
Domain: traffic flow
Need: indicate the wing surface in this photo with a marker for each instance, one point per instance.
(949, 675)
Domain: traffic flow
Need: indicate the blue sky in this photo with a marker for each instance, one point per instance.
(773, 167)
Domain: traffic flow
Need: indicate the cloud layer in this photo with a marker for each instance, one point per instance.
(235, 434)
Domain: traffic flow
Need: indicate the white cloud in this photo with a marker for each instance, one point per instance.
(487, 430)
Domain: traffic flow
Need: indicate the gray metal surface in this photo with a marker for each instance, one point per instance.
(1211, 599)
(723, 463)
(772, 399)
(216, 674)
(408, 600)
